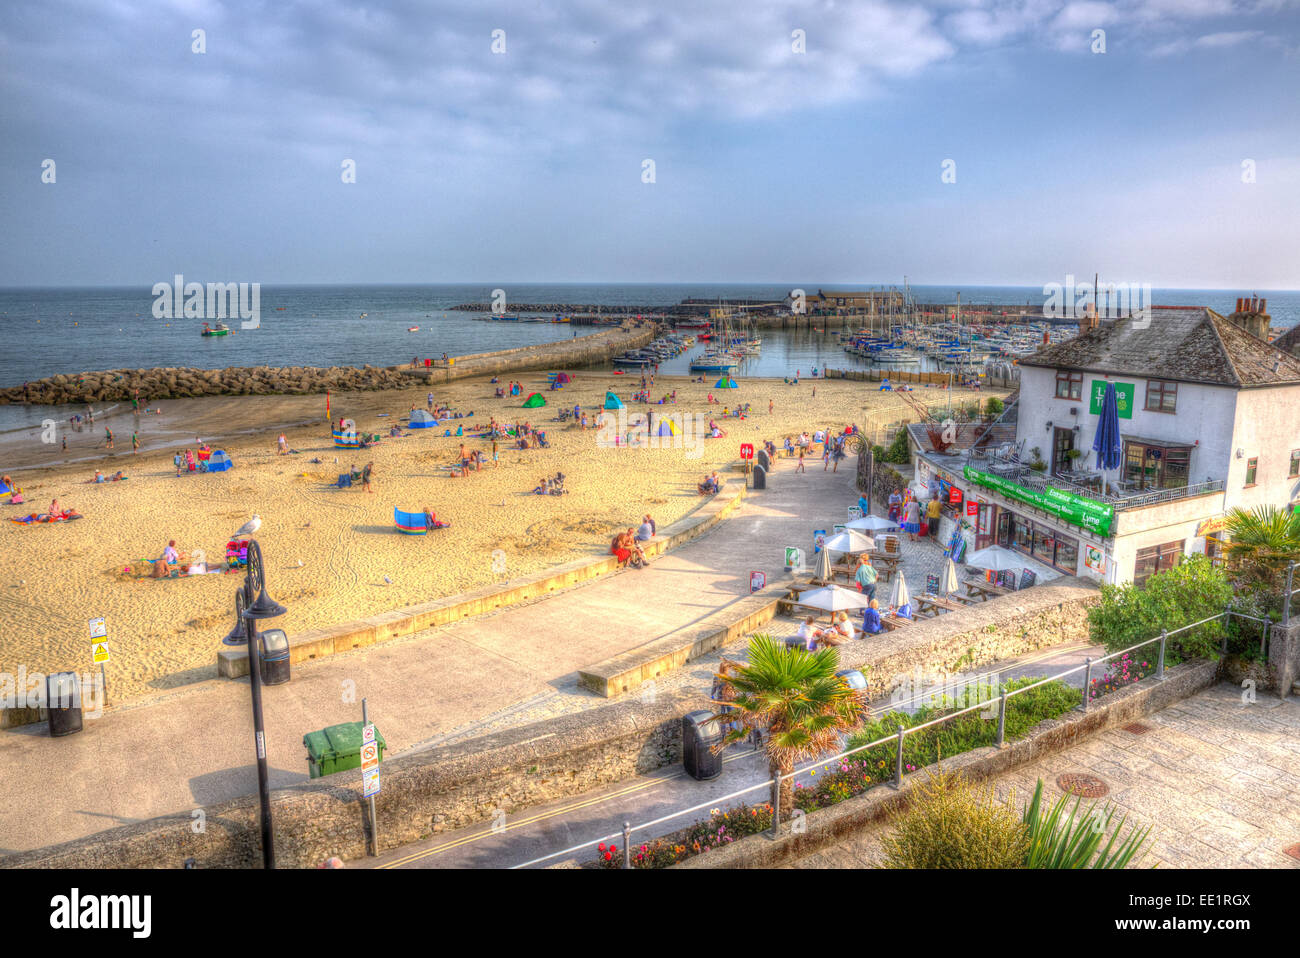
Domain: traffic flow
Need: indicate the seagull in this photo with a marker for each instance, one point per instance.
(299, 563)
(249, 527)
(388, 580)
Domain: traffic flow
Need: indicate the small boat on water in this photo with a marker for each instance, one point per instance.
(220, 329)
(412, 329)
(713, 363)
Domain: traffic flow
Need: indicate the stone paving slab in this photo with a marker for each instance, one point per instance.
(1182, 778)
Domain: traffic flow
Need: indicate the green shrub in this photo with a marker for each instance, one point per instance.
(898, 451)
(953, 824)
(1074, 841)
(1192, 590)
(993, 407)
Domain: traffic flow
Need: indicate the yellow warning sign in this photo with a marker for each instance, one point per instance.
(99, 652)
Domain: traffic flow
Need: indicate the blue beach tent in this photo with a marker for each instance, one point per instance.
(422, 419)
(219, 462)
(612, 401)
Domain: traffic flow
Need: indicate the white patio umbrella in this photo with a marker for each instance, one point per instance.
(899, 596)
(948, 578)
(822, 567)
(834, 598)
(995, 558)
(872, 524)
(850, 541)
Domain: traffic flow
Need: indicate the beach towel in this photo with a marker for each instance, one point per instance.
(45, 517)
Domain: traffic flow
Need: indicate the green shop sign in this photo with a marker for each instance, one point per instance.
(1076, 510)
(1123, 394)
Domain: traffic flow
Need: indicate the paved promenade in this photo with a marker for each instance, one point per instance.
(195, 747)
(1218, 779)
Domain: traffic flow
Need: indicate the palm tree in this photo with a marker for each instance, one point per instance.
(1263, 541)
(794, 698)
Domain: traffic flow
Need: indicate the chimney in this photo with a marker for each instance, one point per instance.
(1089, 321)
(1251, 316)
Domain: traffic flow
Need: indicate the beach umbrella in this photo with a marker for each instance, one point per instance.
(1106, 443)
(834, 598)
(849, 541)
(996, 559)
(899, 596)
(948, 578)
(872, 524)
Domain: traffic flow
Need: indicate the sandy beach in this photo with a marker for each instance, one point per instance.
(333, 554)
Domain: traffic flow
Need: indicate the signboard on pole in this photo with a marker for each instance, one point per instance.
(367, 733)
(747, 450)
(98, 629)
(369, 755)
(370, 782)
(855, 512)
(99, 652)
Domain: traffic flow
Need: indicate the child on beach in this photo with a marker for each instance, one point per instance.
(800, 468)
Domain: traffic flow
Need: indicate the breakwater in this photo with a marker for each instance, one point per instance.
(568, 354)
(149, 385)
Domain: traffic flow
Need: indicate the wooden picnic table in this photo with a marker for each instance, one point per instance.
(933, 603)
(977, 589)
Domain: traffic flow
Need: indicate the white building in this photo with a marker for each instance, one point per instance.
(1210, 421)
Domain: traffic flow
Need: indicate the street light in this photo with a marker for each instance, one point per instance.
(252, 604)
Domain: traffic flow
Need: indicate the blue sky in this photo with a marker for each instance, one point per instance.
(769, 164)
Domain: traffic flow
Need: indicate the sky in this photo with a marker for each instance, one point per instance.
(959, 141)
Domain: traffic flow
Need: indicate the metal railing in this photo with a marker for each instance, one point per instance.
(899, 739)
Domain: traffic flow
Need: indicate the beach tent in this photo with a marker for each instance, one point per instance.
(726, 382)
(410, 523)
(535, 400)
(219, 462)
(612, 401)
(562, 378)
(422, 419)
(668, 428)
(8, 490)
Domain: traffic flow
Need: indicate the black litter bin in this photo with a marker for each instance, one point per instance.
(760, 477)
(763, 460)
(853, 679)
(275, 657)
(63, 702)
(699, 735)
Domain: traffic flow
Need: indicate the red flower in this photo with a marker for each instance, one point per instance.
(608, 856)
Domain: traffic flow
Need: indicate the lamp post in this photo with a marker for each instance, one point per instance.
(251, 605)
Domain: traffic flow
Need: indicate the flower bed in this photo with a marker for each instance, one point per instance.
(721, 828)
(1124, 671)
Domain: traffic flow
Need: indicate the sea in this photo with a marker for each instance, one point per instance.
(48, 331)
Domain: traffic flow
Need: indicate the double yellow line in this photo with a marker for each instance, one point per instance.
(644, 784)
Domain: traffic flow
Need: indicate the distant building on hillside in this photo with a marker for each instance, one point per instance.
(1209, 421)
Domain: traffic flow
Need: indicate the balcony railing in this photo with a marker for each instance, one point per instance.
(1121, 494)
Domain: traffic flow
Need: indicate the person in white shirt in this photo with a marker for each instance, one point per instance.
(809, 633)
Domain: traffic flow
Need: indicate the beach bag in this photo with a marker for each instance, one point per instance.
(925, 528)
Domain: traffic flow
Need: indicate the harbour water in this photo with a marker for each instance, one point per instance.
(69, 330)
